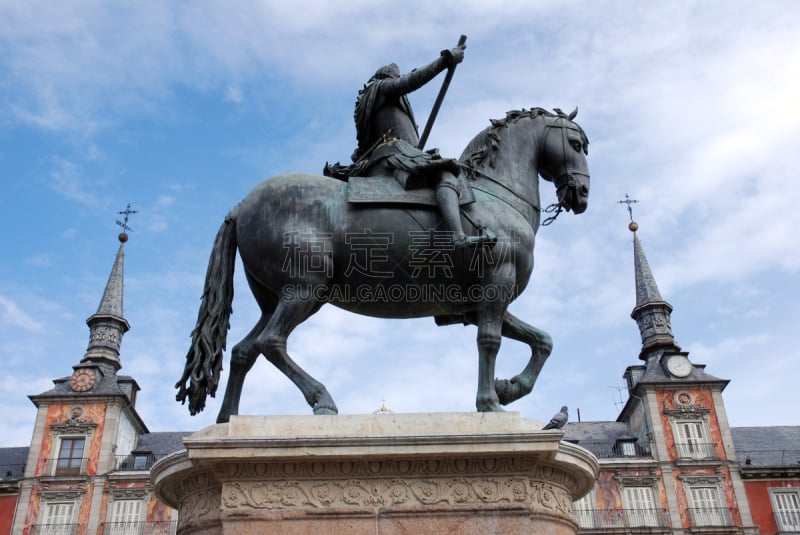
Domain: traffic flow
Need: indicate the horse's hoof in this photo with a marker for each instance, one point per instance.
(507, 390)
(323, 410)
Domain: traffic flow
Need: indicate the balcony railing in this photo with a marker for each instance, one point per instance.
(66, 467)
(56, 529)
(696, 451)
(710, 516)
(135, 461)
(621, 518)
(610, 450)
(139, 528)
(769, 457)
(788, 520)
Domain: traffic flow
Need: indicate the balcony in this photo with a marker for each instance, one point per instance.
(57, 529)
(67, 467)
(788, 520)
(139, 528)
(696, 451)
(621, 518)
(613, 450)
(710, 516)
(135, 461)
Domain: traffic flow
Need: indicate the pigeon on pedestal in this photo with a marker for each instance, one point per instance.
(559, 420)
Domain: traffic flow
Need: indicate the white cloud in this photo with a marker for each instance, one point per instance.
(66, 179)
(42, 259)
(13, 315)
(234, 95)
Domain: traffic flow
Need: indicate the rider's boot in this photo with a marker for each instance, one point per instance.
(447, 199)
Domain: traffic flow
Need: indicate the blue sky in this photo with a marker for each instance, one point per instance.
(181, 108)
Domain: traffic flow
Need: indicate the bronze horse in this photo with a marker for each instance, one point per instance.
(303, 245)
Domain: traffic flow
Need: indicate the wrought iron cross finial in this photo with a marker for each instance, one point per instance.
(629, 202)
(124, 223)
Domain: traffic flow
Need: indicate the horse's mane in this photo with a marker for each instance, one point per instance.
(487, 142)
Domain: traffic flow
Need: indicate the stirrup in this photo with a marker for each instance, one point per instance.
(486, 238)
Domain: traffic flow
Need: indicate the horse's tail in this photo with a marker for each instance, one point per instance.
(204, 359)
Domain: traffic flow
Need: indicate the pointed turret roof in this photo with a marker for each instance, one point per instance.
(646, 287)
(108, 325)
(651, 312)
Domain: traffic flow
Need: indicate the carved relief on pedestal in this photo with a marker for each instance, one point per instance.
(397, 484)
(386, 468)
(199, 506)
(396, 493)
(199, 498)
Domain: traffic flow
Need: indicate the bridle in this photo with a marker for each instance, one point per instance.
(566, 178)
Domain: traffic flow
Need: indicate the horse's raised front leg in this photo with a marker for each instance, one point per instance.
(289, 313)
(243, 356)
(541, 345)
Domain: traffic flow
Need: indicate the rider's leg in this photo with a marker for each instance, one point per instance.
(447, 200)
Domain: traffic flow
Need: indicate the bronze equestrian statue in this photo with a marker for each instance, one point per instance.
(307, 240)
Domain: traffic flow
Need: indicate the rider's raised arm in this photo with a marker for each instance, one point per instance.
(422, 75)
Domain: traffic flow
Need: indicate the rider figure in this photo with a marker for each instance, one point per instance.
(388, 138)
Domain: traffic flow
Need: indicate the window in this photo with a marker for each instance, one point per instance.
(691, 440)
(640, 506)
(786, 505)
(70, 456)
(705, 507)
(126, 518)
(142, 461)
(57, 519)
(584, 510)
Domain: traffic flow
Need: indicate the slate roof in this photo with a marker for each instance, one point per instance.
(603, 439)
(595, 431)
(12, 463)
(767, 446)
(107, 384)
(656, 374)
(163, 443)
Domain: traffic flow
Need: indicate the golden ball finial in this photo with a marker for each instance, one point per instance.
(633, 226)
(123, 237)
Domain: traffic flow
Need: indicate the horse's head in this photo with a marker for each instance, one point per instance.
(562, 160)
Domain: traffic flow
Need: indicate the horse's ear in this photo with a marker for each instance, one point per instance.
(573, 114)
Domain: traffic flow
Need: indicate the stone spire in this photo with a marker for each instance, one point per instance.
(651, 312)
(107, 325)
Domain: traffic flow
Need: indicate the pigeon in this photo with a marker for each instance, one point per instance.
(559, 420)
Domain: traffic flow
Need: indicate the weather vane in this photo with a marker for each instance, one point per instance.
(633, 227)
(629, 202)
(123, 237)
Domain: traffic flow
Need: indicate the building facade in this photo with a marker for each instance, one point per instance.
(87, 467)
(670, 463)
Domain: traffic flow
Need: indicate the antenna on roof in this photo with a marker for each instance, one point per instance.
(620, 402)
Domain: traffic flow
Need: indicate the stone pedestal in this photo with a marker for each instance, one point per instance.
(387, 474)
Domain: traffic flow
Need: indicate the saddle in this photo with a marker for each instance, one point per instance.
(388, 190)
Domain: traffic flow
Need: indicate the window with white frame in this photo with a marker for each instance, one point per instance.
(640, 506)
(705, 506)
(126, 517)
(57, 518)
(692, 440)
(585, 510)
(786, 506)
